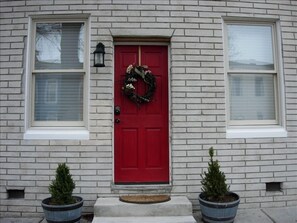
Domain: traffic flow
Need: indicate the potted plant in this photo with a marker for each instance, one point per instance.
(62, 206)
(217, 203)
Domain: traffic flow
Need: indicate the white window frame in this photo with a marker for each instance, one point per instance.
(56, 129)
(257, 128)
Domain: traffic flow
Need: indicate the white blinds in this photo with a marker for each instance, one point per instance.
(59, 97)
(252, 97)
(58, 92)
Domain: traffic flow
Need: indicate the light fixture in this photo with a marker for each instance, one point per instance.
(99, 55)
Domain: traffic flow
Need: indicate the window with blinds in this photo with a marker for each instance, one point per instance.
(58, 74)
(251, 73)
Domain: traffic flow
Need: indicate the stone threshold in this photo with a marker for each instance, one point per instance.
(142, 188)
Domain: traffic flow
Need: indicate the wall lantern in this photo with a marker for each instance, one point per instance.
(99, 55)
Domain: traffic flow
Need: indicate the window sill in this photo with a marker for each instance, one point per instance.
(52, 134)
(255, 132)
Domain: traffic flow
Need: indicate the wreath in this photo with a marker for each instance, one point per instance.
(133, 73)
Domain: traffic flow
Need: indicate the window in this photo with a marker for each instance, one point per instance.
(58, 72)
(252, 70)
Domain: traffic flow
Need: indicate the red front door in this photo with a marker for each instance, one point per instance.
(141, 132)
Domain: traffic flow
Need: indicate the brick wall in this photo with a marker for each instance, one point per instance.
(197, 104)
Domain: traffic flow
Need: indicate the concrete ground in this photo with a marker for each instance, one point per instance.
(31, 220)
(264, 215)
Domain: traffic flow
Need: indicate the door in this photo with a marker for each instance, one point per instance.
(141, 132)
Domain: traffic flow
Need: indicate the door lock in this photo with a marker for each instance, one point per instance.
(117, 120)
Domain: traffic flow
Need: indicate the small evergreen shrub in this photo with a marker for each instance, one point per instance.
(62, 186)
(214, 182)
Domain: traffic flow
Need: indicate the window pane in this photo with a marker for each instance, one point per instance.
(255, 99)
(59, 97)
(59, 46)
(250, 47)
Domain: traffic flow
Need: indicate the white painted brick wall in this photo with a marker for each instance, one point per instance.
(197, 88)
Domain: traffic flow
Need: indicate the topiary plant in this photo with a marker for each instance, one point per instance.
(62, 186)
(214, 182)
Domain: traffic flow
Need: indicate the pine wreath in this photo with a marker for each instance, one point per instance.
(133, 73)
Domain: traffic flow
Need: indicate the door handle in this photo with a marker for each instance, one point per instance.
(117, 120)
(117, 110)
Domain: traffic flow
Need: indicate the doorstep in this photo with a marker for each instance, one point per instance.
(177, 210)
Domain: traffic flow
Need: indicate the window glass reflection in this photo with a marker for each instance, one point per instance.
(250, 47)
(59, 46)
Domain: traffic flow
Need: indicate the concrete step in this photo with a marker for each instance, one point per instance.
(113, 207)
(174, 219)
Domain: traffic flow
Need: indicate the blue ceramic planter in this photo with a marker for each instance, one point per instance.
(62, 213)
(213, 212)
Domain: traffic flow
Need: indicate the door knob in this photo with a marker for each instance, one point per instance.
(117, 120)
(117, 110)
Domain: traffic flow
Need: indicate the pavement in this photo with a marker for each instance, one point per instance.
(263, 215)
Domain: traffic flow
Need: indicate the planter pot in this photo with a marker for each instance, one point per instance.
(62, 213)
(213, 212)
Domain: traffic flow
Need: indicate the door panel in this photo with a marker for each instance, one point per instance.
(141, 136)
(130, 154)
(153, 150)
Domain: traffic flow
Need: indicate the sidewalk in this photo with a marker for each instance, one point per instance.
(264, 215)
(267, 215)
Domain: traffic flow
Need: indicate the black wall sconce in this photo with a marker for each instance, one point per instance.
(99, 55)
